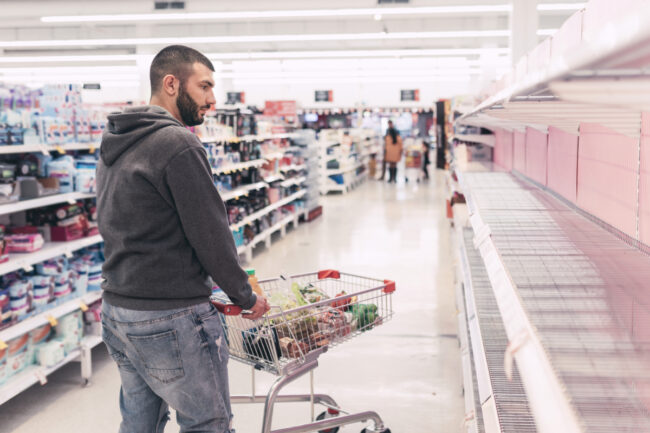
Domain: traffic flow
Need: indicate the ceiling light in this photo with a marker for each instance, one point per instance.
(269, 55)
(256, 38)
(546, 32)
(377, 17)
(315, 13)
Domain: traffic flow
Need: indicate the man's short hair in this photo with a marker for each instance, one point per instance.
(176, 60)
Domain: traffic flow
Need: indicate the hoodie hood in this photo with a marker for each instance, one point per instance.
(129, 127)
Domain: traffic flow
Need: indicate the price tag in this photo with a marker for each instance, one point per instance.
(28, 268)
(52, 320)
(40, 375)
(91, 149)
(236, 197)
(72, 201)
(60, 150)
(3, 345)
(83, 306)
(45, 151)
(69, 254)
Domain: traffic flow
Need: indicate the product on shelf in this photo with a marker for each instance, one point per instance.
(24, 243)
(39, 337)
(70, 331)
(19, 354)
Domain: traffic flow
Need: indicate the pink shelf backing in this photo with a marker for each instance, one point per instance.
(607, 176)
(519, 151)
(536, 155)
(503, 152)
(563, 163)
(644, 181)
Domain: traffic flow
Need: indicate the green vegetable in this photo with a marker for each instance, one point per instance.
(365, 314)
(295, 288)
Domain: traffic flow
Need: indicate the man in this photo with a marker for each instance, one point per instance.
(166, 233)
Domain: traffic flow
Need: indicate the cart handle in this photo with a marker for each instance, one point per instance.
(390, 286)
(329, 273)
(228, 310)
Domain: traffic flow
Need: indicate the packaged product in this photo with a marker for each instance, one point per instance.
(39, 337)
(19, 354)
(24, 243)
(262, 344)
(52, 267)
(4, 371)
(63, 168)
(5, 307)
(51, 353)
(70, 331)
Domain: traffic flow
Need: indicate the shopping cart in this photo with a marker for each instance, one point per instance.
(310, 314)
(413, 163)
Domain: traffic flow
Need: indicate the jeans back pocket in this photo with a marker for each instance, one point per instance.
(160, 354)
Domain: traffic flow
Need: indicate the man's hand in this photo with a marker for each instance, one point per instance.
(259, 309)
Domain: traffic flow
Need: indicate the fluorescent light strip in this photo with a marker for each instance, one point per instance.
(267, 55)
(305, 13)
(360, 80)
(256, 38)
(405, 74)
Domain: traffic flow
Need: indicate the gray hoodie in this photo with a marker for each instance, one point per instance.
(163, 222)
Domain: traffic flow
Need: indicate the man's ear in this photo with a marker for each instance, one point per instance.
(170, 85)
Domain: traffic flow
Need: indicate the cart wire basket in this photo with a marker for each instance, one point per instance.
(310, 313)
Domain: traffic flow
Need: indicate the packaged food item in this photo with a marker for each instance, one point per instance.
(365, 315)
(51, 353)
(252, 280)
(39, 337)
(262, 343)
(70, 331)
(4, 373)
(25, 243)
(19, 354)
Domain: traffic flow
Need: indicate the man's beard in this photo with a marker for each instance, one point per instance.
(188, 108)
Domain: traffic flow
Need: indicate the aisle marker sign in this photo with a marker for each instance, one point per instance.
(323, 96)
(412, 95)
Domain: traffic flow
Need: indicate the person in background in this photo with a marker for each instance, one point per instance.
(393, 152)
(167, 239)
(425, 160)
(383, 160)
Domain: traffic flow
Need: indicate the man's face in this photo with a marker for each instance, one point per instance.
(195, 95)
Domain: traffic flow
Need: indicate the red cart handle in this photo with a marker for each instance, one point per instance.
(389, 286)
(329, 273)
(228, 310)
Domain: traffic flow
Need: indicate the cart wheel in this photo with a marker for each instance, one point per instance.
(329, 413)
(365, 430)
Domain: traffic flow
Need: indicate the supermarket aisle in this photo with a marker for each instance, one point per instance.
(407, 370)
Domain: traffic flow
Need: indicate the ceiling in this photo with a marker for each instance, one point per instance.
(442, 40)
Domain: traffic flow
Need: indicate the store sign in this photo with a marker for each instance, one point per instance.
(323, 96)
(280, 108)
(92, 86)
(410, 95)
(235, 98)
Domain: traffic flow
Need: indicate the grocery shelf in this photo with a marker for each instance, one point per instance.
(41, 319)
(44, 148)
(573, 300)
(332, 172)
(579, 75)
(347, 184)
(49, 251)
(273, 178)
(293, 181)
(487, 139)
(19, 206)
(268, 209)
(296, 167)
(244, 190)
(260, 137)
(503, 403)
(266, 235)
(239, 166)
(272, 156)
(36, 374)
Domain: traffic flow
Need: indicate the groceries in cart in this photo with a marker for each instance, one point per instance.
(305, 315)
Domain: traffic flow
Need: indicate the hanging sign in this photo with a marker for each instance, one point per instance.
(323, 96)
(410, 95)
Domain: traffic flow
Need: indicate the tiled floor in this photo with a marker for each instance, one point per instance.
(408, 370)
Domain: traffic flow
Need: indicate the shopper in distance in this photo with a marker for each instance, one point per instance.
(393, 151)
(167, 239)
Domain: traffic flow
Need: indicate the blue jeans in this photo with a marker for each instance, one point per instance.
(176, 358)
